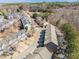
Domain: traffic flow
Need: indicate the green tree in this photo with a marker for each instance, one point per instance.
(34, 15)
(70, 37)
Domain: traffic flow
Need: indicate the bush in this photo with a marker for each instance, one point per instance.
(70, 36)
(34, 15)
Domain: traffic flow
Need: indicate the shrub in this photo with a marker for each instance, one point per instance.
(70, 37)
(34, 16)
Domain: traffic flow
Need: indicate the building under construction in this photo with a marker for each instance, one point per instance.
(8, 23)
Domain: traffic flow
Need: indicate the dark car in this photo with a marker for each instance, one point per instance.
(41, 44)
(42, 36)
